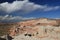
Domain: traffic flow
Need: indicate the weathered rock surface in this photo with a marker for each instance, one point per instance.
(37, 29)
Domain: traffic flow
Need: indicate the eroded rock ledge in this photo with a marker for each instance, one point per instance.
(39, 28)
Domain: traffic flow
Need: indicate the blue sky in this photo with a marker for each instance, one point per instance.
(41, 2)
(29, 9)
(48, 2)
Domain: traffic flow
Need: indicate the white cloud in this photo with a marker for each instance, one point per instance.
(52, 8)
(24, 6)
(10, 17)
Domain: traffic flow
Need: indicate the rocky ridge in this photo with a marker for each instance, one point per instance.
(36, 29)
(39, 29)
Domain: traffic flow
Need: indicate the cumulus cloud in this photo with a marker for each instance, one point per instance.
(10, 17)
(24, 6)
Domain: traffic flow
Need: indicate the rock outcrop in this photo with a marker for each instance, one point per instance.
(38, 28)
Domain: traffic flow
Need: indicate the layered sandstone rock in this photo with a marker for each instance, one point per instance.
(38, 29)
(44, 29)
